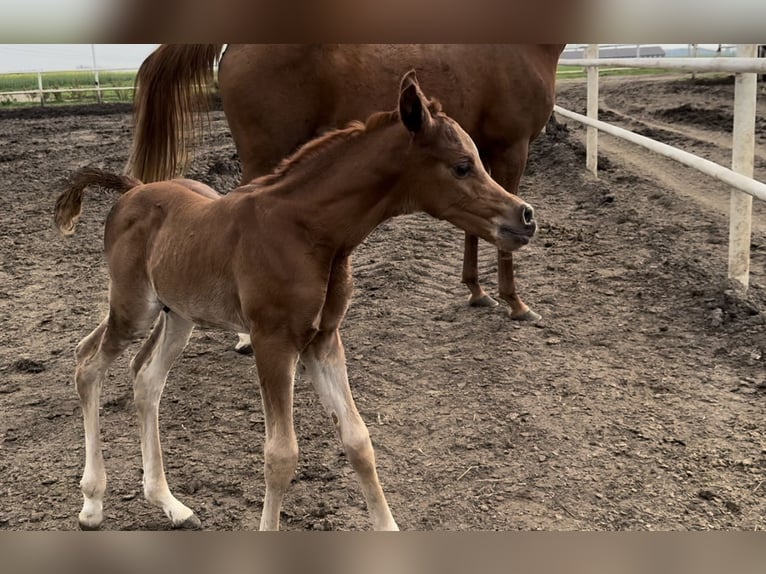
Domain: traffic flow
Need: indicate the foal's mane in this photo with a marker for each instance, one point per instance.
(332, 138)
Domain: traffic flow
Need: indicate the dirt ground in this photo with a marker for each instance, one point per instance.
(637, 403)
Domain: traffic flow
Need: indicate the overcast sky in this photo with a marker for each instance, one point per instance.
(51, 57)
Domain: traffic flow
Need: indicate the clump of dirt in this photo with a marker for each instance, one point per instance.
(723, 80)
(223, 174)
(225, 166)
(713, 119)
(732, 304)
(27, 366)
(556, 131)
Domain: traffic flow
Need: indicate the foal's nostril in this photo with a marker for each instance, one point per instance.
(528, 214)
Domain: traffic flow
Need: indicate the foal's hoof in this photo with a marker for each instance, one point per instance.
(90, 517)
(482, 301)
(244, 349)
(191, 523)
(528, 315)
(88, 527)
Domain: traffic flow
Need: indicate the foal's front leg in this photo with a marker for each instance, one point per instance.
(325, 364)
(94, 354)
(276, 359)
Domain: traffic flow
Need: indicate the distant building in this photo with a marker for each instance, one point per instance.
(627, 51)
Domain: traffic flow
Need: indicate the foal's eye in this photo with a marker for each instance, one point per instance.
(462, 169)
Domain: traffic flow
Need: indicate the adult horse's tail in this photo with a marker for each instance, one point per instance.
(171, 85)
(69, 204)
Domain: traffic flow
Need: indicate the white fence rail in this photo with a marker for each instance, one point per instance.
(746, 184)
(740, 177)
(723, 64)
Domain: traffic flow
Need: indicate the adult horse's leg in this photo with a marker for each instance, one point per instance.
(507, 287)
(478, 297)
(150, 369)
(325, 364)
(507, 169)
(276, 359)
(94, 354)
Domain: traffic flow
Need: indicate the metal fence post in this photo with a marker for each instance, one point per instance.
(95, 73)
(591, 153)
(40, 87)
(694, 55)
(743, 147)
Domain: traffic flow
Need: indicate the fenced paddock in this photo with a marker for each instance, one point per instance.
(746, 66)
(635, 404)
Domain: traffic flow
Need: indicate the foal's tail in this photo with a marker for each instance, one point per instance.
(69, 203)
(171, 85)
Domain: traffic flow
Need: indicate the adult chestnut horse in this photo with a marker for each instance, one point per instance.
(277, 97)
(272, 258)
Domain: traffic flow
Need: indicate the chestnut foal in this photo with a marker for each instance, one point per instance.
(271, 258)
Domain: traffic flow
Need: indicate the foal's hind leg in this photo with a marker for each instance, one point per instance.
(94, 354)
(244, 345)
(325, 364)
(150, 368)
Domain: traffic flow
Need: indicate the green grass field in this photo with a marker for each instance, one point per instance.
(575, 72)
(65, 81)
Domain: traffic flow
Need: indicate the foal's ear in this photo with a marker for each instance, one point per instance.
(413, 108)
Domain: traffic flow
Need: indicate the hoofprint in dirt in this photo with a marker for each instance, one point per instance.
(637, 403)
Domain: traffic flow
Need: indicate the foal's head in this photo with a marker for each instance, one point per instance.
(447, 179)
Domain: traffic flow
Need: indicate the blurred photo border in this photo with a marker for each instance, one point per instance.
(349, 21)
(369, 21)
(385, 553)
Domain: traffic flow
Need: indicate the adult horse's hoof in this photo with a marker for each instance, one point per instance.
(191, 523)
(482, 301)
(528, 315)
